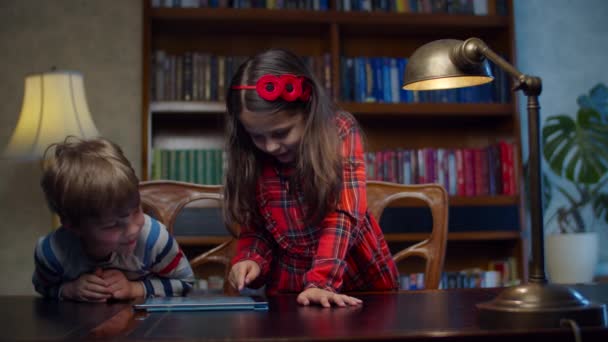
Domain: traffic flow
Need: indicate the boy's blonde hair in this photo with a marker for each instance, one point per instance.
(86, 178)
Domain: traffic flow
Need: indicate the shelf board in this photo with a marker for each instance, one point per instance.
(462, 201)
(242, 21)
(187, 107)
(259, 15)
(459, 236)
(430, 109)
(360, 109)
(351, 20)
(501, 200)
(413, 23)
(201, 240)
(404, 237)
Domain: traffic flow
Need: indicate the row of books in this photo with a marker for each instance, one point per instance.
(380, 79)
(312, 5)
(462, 172)
(196, 76)
(499, 273)
(473, 7)
(201, 166)
(452, 280)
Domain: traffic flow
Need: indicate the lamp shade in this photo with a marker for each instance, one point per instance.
(54, 107)
(433, 66)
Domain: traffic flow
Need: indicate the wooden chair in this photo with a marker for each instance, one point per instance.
(164, 200)
(382, 194)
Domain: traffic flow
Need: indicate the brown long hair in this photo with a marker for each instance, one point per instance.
(319, 160)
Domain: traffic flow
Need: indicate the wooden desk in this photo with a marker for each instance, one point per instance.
(417, 315)
(34, 318)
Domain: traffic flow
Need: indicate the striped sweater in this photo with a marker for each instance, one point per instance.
(157, 262)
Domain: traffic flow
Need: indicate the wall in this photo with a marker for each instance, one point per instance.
(565, 42)
(101, 39)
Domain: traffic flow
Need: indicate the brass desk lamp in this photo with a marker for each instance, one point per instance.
(449, 63)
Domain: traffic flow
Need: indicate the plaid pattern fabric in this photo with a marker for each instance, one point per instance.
(345, 252)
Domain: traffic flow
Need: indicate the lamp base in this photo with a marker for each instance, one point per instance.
(539, 306)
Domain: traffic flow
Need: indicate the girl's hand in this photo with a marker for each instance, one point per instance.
(326, 298)
(243, 273)
(120, 286)
(88, 287)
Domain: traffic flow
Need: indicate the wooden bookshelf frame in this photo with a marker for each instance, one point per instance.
(346, 33)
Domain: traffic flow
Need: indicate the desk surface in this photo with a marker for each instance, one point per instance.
(422, 315)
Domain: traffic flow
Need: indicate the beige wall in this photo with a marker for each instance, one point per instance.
(101, 39)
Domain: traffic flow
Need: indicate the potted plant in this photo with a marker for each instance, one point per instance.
(576, 149)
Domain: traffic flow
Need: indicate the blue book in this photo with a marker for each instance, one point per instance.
(203, 303)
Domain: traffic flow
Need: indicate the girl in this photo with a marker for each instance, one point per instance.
(296, 186)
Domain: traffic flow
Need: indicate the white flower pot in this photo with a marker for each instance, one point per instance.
(571, 258)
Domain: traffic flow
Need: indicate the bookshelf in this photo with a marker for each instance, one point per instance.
(336, 34)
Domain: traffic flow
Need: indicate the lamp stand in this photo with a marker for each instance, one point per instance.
(536, 304)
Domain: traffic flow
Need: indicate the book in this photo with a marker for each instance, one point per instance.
(203, 303)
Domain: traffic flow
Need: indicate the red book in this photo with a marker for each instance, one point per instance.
(431, 165)
(414, 166)
(400, 161)
(379, 166)
(469, 172)
(512, 164)
(460, 188)
(422, 174)
(391, 162)
(481, 172)
(506, 160)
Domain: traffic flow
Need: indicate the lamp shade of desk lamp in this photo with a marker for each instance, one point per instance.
(449, 63)
(54, 107)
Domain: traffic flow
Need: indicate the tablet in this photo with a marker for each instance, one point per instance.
(203, 303)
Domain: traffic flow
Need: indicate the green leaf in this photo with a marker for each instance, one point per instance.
(547, 188)
(600, 206)
(597, 99)
(577, 149)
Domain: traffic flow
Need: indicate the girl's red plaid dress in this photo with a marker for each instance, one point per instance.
(345, 252)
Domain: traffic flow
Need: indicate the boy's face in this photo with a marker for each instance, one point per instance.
(114, 231)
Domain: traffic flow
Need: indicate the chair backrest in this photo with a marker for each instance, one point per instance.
(382, 194)
(164, 200)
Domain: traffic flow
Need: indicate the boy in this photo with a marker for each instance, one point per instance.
(106, 247)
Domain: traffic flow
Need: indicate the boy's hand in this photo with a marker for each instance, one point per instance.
(243, 273)
(326, 298)
(87, 288)
(120, 287)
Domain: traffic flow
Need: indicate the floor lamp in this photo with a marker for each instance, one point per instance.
(450, 63)
(54, 107)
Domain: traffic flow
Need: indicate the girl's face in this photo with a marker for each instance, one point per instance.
(113, 232)
(277, 134)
